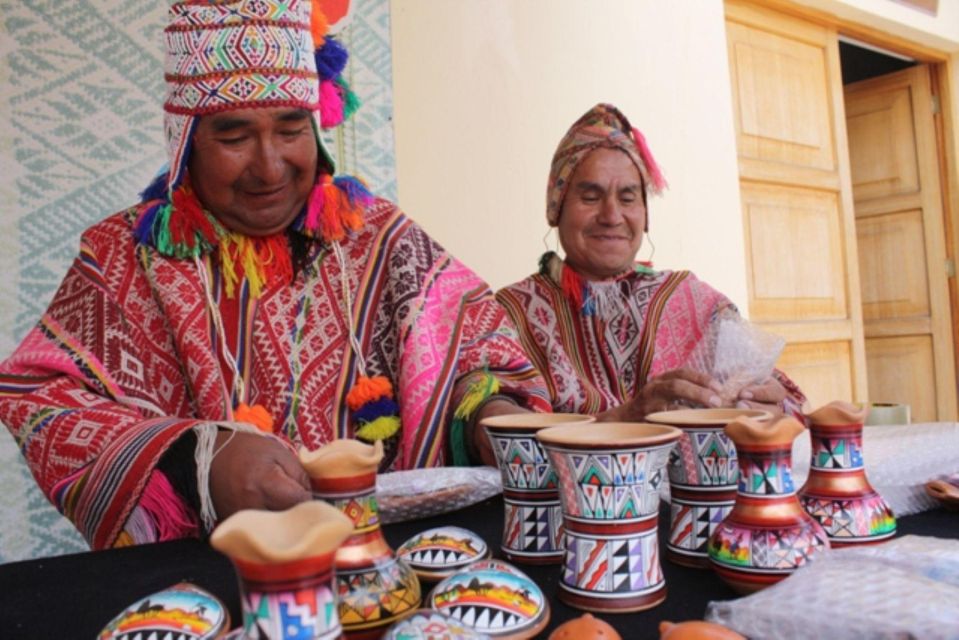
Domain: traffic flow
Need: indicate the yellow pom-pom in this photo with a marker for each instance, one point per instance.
(379, 429)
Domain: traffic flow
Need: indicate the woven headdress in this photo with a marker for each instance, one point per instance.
(225, 55)
(601, 126)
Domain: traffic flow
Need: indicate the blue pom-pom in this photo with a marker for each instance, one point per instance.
(143, 230)
(157, 189)
(377, 409)
(355, 190)
(330, 59)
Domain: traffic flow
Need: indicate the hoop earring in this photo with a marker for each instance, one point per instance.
(649, 261)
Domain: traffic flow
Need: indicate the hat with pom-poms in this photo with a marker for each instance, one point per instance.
(241, 54)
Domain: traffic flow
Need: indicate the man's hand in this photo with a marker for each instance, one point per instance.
(767, 395)
(671, 390)
(255, 472)
(480, 440)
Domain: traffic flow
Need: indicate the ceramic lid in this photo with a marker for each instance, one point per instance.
(605, 435)
(533, 421)
(704, 417)
(503, 604)
(182, 611)
(441, 551)
(343, 458)
(427, 624)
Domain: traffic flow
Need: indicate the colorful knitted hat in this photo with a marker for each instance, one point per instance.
(224, 55)
(601, 126)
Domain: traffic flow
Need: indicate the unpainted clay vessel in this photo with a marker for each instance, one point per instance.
(374, 589)
(284, 561)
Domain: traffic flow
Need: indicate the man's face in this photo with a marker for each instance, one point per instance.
(253, 169)
(603, 216)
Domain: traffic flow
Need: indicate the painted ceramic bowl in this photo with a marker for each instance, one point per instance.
(437, 553)
(500, 602)
(182, 611)
(427, 624)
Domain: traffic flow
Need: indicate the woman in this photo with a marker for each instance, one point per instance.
(613, 337)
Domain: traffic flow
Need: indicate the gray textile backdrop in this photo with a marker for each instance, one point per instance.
(80, 136)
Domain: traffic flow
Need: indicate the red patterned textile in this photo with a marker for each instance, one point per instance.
(593, 362)
(127, 358)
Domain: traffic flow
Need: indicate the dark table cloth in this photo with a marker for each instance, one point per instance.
(74, 596)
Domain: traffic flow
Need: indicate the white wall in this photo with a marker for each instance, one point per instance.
(484, 90)
(940, 31)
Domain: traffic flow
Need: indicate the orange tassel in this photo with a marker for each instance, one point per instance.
(318, 24)
(368, 390)
(257, 415)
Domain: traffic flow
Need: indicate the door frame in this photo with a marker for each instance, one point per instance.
(947, 135)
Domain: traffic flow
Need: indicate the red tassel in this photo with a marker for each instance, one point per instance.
(572, 286)
(655, 175)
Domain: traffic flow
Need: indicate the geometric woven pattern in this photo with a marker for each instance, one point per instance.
(80, 136)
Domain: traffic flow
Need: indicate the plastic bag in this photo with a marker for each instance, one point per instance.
(420, 493)
(736, 353)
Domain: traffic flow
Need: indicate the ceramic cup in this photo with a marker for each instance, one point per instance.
(702, 478)
(610, 476)
(284, 561)
(533, 518)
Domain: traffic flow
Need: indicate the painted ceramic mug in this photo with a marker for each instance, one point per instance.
(533, 517)
(284, 561)
(703, 471)
(610, 476)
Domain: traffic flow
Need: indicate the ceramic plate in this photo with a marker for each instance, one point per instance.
(183, 611)
(493, 601)
(428, 624)
(436, 553)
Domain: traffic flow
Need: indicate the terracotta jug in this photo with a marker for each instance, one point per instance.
(837, 493)
(767, 535)
(374, 588)
(284, 561)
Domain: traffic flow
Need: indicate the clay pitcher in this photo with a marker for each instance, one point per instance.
(768, 534)
(374, 588)
(837, 493)
(284, 561)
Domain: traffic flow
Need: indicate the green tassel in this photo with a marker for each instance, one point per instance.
(161, 225)
(477, 393)
(350, 100)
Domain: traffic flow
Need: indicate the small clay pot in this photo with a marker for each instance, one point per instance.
(585, 627)
(696, 630)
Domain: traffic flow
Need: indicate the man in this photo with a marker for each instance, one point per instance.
(251, 304)
(613, 337)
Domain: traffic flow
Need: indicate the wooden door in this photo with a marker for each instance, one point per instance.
(803, 276)
(902, 254)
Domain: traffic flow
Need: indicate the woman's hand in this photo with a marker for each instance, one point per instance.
(251, 471)
(670, 390)
(767, 395)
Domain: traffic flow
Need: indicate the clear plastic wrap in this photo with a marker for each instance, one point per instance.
(420, 493)
(905, 588)
(736, 353)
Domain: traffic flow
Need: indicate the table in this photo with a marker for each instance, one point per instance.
(74, 596)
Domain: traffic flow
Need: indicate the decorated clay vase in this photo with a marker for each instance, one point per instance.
(609, 477)
(767, 535)
(374, 588)
(585, 627)
(494, 599)
(837, 493)
(182, 611)
(702, 478)
(439, 552)
(284, 560)
(533, 517)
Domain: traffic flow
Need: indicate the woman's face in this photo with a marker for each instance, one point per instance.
(603, 216)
